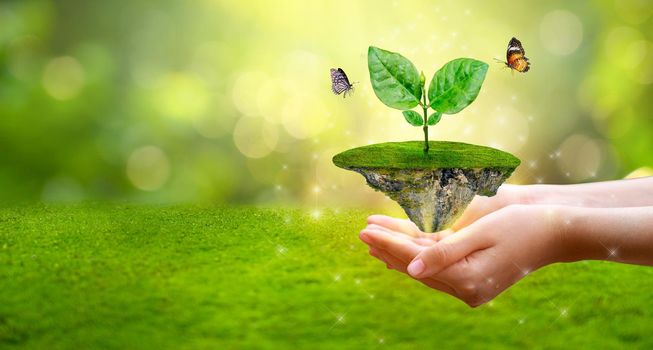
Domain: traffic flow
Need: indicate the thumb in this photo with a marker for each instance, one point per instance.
(447, 251)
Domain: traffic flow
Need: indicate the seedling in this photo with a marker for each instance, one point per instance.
(398, 85)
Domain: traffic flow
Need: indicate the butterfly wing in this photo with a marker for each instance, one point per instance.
(339, 81)
(514, 49)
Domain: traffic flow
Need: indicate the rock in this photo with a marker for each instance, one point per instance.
(433, 199)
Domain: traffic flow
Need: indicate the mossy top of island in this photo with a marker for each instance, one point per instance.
(410, 155)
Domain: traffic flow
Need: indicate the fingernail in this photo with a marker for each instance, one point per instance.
(416, 268)
(365, 238)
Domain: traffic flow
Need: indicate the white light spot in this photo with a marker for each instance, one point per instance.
(63, 78)
(564, 312)
(148, 168)
(561, 32)
(255, 137)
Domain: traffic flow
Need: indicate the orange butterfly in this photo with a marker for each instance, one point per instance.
(516, 57)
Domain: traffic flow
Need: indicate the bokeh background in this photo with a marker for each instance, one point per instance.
(230, 101)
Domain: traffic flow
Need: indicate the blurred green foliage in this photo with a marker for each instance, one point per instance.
(219, 101)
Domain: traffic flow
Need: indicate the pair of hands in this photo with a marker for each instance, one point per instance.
(497, 242)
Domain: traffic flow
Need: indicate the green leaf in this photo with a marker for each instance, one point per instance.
(395, 79)
(434, 118)
(456, 85)
(413, 118)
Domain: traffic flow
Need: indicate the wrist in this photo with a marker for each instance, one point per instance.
(576, 239)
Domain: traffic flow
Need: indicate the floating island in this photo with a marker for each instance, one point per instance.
(432, 188)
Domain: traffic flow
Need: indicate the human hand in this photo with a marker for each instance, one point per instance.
(482, 259)
(506, 195)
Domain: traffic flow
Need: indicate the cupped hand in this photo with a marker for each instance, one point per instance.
(481, 259)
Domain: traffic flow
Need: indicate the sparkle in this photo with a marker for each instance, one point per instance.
(371, 296)
(521, 321)
(532, 164)
(381, 340)
(287, 219)
(357, 281)
(278, 187)
(567, 222)
(564, 312)
(539, 180)
(337, 277)
(612, 252)
(316, 189)
(340, 318)
(281, 250)
(284, 167)
(316, 214)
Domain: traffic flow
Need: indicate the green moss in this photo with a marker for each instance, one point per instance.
(409, 155)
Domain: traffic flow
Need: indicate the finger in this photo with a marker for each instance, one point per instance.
(439, 286)
(431, 282)
(399, 265)
(391, 260)
(377, 253)
(401, 248)
(374, 237)
(447, 251)
(400, 225)
(385, 229)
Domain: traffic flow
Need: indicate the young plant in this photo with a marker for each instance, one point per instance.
(398, 85)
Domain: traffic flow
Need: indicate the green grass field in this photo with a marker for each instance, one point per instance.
(189, 277)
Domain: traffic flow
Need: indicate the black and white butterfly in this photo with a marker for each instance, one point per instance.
(340, 83)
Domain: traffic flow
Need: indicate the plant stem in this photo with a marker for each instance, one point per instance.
(426, 126)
